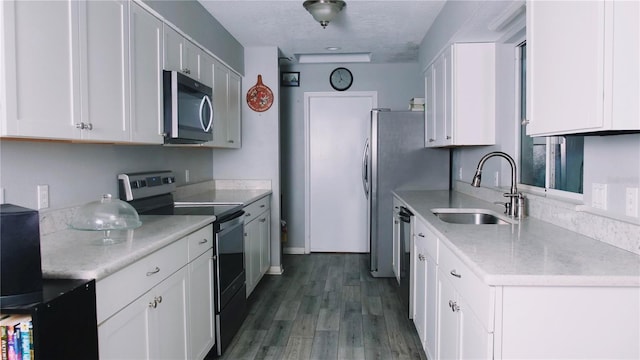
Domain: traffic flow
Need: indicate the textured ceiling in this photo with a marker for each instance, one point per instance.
(390, 30)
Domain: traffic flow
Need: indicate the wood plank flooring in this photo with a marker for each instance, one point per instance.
(325, 306)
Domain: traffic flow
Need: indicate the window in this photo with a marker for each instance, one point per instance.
(554, 162)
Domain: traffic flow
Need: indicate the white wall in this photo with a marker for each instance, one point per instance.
(259, 157)
(396, 84)
(80, 173)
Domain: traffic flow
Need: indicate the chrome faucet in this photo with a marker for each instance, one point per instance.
(516, 205)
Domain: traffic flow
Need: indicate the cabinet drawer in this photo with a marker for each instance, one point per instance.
(478, 295)
(256, 208)
(200, 241)
(423, 233)
(122, 287)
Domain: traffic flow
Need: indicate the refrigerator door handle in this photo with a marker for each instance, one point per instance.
(365, 169)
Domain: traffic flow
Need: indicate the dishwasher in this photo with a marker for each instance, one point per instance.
(405, 216)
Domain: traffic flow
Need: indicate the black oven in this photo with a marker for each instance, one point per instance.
(150, 193)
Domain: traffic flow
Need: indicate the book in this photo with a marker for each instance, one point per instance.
(17, 334)
(3, 347)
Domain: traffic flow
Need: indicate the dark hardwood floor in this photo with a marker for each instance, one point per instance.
(326, 306)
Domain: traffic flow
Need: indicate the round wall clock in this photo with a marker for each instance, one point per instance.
(341, 79)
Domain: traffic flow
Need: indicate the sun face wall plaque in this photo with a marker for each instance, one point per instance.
(259, 97)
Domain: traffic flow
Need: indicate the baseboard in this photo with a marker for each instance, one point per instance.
(293, 250)
(275, 270)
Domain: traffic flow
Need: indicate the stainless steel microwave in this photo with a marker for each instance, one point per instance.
(188, 110)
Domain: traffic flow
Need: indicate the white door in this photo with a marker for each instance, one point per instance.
(337, 128)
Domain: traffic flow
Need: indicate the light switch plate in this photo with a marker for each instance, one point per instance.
(43, 196)
(599, 196)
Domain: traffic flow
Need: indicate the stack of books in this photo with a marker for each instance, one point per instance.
(17, 337)
(416, 104)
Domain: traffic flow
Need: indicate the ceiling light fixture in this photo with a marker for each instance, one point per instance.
(324, 10)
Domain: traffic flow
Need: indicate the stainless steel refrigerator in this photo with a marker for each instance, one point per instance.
(394, 157)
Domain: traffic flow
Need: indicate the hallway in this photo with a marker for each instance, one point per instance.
(325, 306)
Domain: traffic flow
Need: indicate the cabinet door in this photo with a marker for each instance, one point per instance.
(172, 45)
(429, 111)
(146, 49)
(234, 106)
(265, 242)
(441, 99)
(206, 69)
(201, 306)
(220, 83)
(168, 331)
(565, 79)
(420, 291)
(395, 253)
(190, 59)
(251, 261)
(105, 95)
(126, 334)
(475, 341)
(448, 331)
(45, 104)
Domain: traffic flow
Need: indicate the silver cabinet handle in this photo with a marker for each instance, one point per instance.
(432, 140)
(83, 126)
(454, 273)
(263, 205)
(247, 214)
(421, 257)
(263, 220)
(454, 306)
(153, 304)
(186, 71)
(154, 271)
(421, 234)
(158, 299)
(230, 141)
(203, 241)
(448, 137)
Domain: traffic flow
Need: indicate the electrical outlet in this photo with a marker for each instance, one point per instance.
(496, 179)
(186, 176)
(631, 202)
(459, 173)
(43, 196)
(599, 196)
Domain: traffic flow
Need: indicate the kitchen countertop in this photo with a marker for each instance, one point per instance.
(74, 254)
(530, 253)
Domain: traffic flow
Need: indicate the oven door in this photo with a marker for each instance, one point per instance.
(229, 247)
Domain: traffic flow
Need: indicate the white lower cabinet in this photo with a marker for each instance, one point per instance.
(458, 316)
(153, 326)
(257, 241)
(160, 306)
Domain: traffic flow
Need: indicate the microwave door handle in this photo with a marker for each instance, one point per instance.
(208, 100)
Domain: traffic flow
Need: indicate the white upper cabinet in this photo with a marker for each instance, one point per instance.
(460, 90)
(39, 98)
(226, 107)
(146, 51)
(105, 63)
(582, 62)
(182, 55)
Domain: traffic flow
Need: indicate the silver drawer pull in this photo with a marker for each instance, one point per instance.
(262, 205)
(454, 273)
(153, 304)
(158, 299)
(247, 214)
(263, 219)
(203, 241)
(421, 257)
(454, 306)
(421, 234)
(154, 271)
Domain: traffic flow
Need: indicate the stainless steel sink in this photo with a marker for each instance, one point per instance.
(471, 216)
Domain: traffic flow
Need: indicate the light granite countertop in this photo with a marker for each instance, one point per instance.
(81, 255)
(529, 253)
(74, 254)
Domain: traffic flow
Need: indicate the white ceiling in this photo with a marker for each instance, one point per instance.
(390, 30)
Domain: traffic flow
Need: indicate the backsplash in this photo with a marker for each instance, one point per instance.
(621, 234)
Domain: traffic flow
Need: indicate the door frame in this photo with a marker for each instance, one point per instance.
(307, 149)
